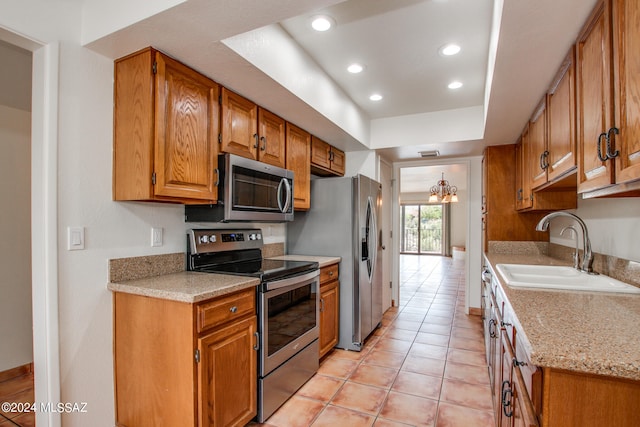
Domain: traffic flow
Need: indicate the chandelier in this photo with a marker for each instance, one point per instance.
(443, 192)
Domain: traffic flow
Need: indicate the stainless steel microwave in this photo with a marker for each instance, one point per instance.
(251, 191)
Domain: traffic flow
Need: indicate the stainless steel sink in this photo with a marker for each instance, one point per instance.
(560, 277)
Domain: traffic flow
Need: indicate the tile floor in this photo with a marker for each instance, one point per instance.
(425, 366)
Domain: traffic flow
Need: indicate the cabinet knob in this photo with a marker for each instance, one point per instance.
(233, 309)
(331, 273)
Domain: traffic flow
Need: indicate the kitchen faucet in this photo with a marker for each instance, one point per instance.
(587, 255)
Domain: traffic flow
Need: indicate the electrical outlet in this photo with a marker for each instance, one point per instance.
(156, 236)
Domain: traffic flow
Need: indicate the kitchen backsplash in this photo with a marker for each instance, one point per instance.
(618, 268)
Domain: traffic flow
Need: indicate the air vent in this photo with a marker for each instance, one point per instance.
(431, 153)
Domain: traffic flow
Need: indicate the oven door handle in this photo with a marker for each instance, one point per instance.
(278, 284)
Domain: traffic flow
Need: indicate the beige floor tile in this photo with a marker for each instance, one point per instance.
(424, 365)
(360, 397)
(393, 345)
(296, 412)
(320, 387)
(467, 373)
(459, 416)
(381, 422)
(470, 395)
(433, 339)
(436, 329)
(376, 376)
(333, 416)
(346, 354)
(418, 384)
(384, 358)
(400, 334)
(477, 358)
(412, 410)
(473, 333)
(428, 350)
(338, 368)
(466, 344)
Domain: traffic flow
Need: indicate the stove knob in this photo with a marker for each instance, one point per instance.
(212, 238)
(203, 239)
(259, 236)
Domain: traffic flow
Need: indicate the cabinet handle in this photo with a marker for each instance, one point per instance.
(503, 324)
(492, 332)
(264, 143)
(600, 156)
(614, 131)
(545, 157)
(256, 347)
(507, 394)
(321, 305)
(517, 363)
(233, 309)
(541, 161)
(519, 194)
(255, 137)
(217, 172)
(330, 156)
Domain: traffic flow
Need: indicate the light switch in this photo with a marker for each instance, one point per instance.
(75, 238)
(156, 236)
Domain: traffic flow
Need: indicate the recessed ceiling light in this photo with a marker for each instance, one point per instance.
(455, 85)
(375, 97)
(322, 23)
(355, 68)
(449, 49)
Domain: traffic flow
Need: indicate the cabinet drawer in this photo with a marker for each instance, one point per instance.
(226, 308)
(328, 273)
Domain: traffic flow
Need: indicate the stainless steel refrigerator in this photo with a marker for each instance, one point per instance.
(343, 221)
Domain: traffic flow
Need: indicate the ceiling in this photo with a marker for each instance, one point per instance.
(504, 75)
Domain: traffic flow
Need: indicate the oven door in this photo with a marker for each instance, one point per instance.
(289, 318)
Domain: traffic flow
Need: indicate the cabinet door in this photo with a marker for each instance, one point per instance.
(328, 317)
(594, 100)
(337, 161)
(520, 176)
(626, 37)
(227, 375)
(239, 125)
(561, 122)
(527, 195)
(320, 153)
(272, 138)
(537, 154)
(299, 161)
(186, 129)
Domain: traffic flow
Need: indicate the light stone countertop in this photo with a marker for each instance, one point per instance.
(186, 286)
(322, 260)
(589, 332)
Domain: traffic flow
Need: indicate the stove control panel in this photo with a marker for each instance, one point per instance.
(209, 240)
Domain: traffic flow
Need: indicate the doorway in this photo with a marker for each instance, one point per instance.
(422, 229)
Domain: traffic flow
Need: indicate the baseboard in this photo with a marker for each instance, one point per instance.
(475, 311)
(16, 372)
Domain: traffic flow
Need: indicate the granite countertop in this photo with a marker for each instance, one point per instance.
(590, 332)
(322, 260)
(186, 286)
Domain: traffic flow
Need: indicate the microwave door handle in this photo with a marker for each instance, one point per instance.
(287, 202)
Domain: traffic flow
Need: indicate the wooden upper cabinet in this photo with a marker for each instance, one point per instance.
(326, 160)
(594, 100)
(271, 135)
(298, 160)
(166, 120)
(250, 131)
(626, 45)
(537, 154)
(561, 121)
(608, 83)
(239, 125)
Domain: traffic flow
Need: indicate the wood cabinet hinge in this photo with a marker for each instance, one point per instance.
(197, 355)
(153, 178)
(154, 68)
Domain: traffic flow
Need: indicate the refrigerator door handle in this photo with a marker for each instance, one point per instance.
(373, 236)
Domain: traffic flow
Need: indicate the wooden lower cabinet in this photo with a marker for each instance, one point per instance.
(329, 308)
(525, 395)
(227, 375)
(184, 364)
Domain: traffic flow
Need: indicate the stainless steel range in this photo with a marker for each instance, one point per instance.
(287, 301)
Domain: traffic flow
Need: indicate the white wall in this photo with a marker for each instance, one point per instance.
(15, 237)
(613, 224)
